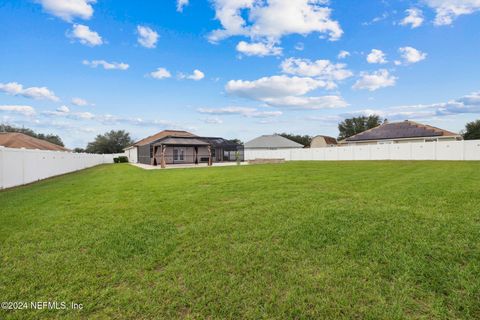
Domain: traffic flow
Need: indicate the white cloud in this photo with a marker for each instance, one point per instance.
(414, 18)
(85, 36)
(267, 19)
(412, 55)
(376, 56)
(181, 4)
(24, 110)
(258, 49)
(242, 111)
(160, 73)
(448, 10)
(80, 102)
(321, 69)
(37, 93)
(377, 19)
(308, 103)
(63, 109)
(300, 46)
(285, 91)
(196, 75)
(464, 105)
(147, 37)
(376, 80)
(68, 9)
(65, 112)
(275, 86)
(106, 65)
(343, 54)
(214, 120)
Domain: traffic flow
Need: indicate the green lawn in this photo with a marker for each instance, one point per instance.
(301, 240)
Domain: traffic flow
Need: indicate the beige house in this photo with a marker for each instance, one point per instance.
(323, 142)
(401, 132)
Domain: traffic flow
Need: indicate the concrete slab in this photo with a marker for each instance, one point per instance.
(184, 166)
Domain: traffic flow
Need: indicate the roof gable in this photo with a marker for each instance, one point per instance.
(163, 134)
(272, 141)
(400, 130)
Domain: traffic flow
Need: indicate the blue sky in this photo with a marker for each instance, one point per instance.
(235, 68)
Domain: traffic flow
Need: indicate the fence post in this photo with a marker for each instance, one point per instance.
(2, 171)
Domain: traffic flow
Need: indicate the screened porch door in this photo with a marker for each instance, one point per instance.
(178, 155)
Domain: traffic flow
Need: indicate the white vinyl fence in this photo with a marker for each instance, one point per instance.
(22, 166)
(452, 150)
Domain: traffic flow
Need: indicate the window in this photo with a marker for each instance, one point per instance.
(178, 154)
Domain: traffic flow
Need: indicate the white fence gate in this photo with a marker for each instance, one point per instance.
(22, 166)
(451, 150)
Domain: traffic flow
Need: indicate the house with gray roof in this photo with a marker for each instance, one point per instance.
(271, 142)
(401, 132)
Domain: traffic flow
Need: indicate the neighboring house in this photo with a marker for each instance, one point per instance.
(182, 147)
(323, 142)
(401, 132)
(271, 142)
(20, 140)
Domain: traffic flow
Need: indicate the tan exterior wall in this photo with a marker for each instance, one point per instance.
(318, 142)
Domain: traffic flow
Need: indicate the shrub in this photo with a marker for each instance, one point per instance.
(122, 159)
(116, 160)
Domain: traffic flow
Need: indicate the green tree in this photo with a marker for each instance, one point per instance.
(55, 139)
(237, 141)
(352, 126)
(110, 142)
(79, 150)
(472, 130)
(304, 140)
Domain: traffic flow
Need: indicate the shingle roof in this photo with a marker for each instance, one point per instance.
(163, 134)
(182, 141)
(399, 130)
(20, 140)
(272, 141)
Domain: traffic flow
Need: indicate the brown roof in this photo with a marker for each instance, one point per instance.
(399, 130)
(20, 140)
(163, 134)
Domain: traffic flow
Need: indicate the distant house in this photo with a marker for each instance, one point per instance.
(271, 142)
(20, 140)
(182, 147)
(323, 142)
(401, 132)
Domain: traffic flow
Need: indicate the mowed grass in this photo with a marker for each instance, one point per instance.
(304, 240)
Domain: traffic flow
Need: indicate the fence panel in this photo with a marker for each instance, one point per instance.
(21, 166)
(452, 150)
(472, 150)
(380, 152)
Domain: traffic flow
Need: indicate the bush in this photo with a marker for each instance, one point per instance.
(121, 159)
